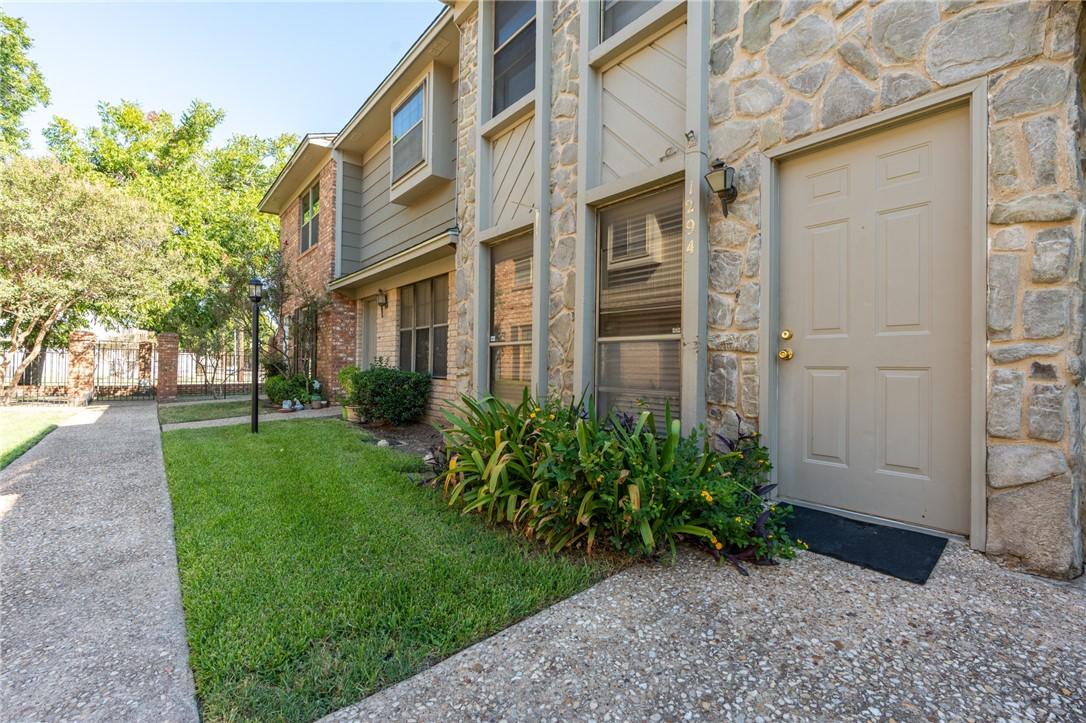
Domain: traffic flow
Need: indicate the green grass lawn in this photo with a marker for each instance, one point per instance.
(177, 413)
(22, 428)
(314, 572)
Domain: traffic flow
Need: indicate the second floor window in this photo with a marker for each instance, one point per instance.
(408, 139)
(617, 14)
(310, 216)
(514, 52)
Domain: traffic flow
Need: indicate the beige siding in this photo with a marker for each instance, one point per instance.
(388, 228)
(513, 177)
(644, 107)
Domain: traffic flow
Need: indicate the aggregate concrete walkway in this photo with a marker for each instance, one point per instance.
(264, 417)
(91, 623)
(813, 639)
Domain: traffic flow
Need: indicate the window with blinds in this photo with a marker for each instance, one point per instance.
(639, 306)
(514, 52)
(424, 327)
(511, 319)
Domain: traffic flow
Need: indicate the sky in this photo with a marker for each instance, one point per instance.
(273, 67)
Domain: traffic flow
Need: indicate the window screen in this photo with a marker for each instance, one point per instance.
(511, 319)
(514, 52)
(617, 14)
(639, 322)
(408, 139)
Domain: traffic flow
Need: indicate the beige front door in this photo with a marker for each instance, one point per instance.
(875, 288)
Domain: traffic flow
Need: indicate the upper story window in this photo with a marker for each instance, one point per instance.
(514, 52)
(617, 14)
(310, 215)
(408, 134)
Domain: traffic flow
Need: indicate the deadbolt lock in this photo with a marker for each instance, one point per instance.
(786, 334)
(785, 354)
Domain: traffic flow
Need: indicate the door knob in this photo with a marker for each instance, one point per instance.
(785, 354)
(786, 334)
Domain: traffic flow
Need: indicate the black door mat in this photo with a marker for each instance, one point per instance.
(904, 554)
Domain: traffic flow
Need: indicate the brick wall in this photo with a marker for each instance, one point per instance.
(388, 346)
(311, 272)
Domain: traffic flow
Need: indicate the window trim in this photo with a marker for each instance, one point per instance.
(652, 24)
(415, 327)
(421, 88)
(676, 334)
(493, 56)
(492, 342)
(308, 231)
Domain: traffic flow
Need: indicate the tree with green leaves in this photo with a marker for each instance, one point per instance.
(72, 246)
(210, 194)
(22, 86)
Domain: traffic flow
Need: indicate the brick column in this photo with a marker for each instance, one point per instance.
(167, 367)
(146, 352)
(80, 367)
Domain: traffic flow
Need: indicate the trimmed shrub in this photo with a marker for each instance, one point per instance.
(564, 475)
(279, 388)
(390, 395)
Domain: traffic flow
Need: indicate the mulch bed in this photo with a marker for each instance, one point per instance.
(414, 439)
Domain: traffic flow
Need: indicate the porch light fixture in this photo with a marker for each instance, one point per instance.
(256, 294)
(721, 180)
(382, 299)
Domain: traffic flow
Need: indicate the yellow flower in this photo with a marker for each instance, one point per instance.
(740, 455)
(600, 478)
(552, 416)
(712, 540)
(532, 415)
(452, 463)
(537, 409)
(771, 535)
(772, 508)
(738, 519)
(718, 545)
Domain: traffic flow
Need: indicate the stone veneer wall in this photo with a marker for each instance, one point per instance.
(463, 287)
(565, 84)
(782, 70)
(312, 271)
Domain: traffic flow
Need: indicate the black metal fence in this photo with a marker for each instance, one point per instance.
(125, 370)
(45, 379)
(202, 375)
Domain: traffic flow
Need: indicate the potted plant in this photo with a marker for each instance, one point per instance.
(348, 385)
(315, 401)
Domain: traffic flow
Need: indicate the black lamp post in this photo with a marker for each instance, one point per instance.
(256, 293)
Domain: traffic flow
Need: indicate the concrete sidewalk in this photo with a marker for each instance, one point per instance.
(811, 640)
(265, 417)
(91, 623)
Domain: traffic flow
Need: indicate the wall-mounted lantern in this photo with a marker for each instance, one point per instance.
(721, 180)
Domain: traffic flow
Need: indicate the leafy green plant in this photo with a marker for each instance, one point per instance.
(388, 394)
(563, 474)
(280, 388)
(347, 386)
